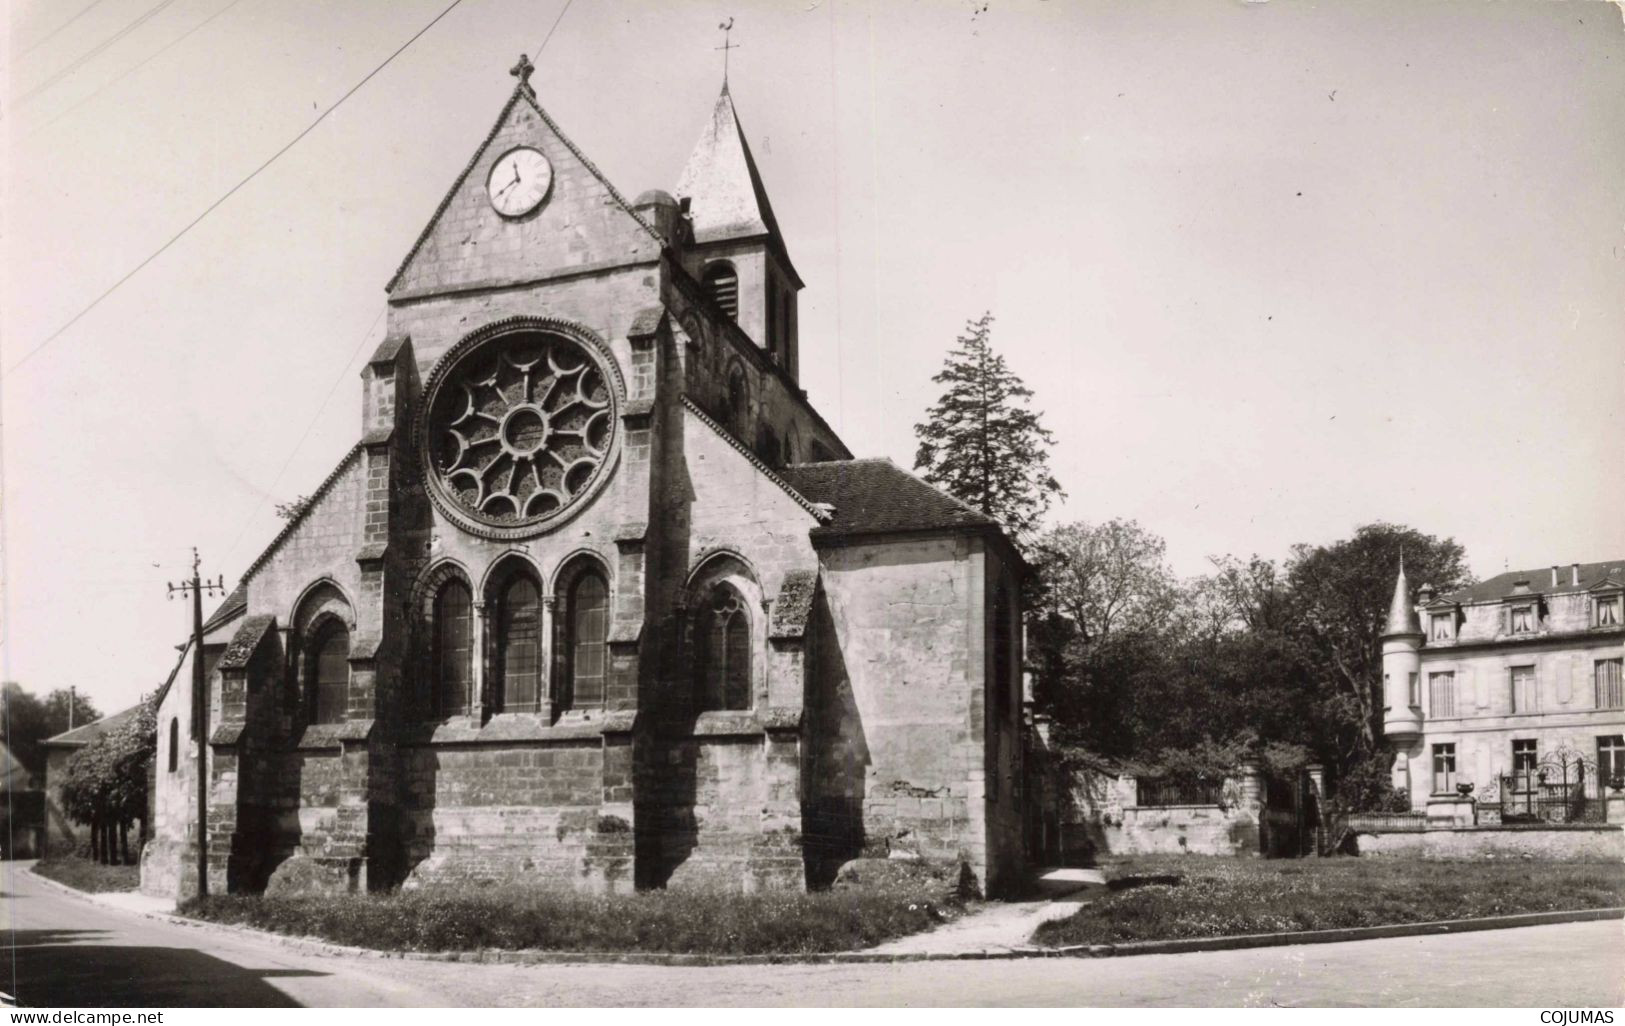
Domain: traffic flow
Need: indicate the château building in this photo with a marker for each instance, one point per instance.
(1512, 686)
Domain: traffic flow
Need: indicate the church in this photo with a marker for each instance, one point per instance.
(597, 598)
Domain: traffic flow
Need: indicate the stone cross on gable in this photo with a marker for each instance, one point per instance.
(522, 70)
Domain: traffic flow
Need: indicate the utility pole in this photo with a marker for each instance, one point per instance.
(200, 710)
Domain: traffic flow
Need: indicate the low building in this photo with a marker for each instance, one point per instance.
(1512, 686)
(61, 833)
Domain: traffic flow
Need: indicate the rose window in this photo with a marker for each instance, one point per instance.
(519, 427)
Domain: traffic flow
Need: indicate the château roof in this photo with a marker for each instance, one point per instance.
(1540, 581)
(726, 197)
(1402, 617)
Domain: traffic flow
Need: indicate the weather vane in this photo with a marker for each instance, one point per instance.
(726, 27)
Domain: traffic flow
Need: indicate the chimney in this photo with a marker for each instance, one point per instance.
(1574, 575)
(1554, 576)
(1424, 595)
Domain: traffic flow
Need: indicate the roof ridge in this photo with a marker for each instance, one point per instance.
(603, 179)
(457, 183)
(818, 513)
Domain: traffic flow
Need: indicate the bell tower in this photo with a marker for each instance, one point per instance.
(738, 252)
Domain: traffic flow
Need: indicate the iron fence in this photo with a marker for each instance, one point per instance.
(1563, 788)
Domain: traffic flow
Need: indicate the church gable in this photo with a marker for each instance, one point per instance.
(322, 541)
(580, 222)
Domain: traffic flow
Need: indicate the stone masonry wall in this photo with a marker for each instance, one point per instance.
(900, 656)
(1577, 844)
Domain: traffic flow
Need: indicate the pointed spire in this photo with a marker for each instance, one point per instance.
(1402, 617)
(726, 197)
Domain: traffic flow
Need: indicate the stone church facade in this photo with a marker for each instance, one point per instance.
(598, 598)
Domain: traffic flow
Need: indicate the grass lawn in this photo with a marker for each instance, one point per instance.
(85, 875)
(1218, 897)
(509, 917)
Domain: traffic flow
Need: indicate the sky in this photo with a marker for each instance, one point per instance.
(1273, 270)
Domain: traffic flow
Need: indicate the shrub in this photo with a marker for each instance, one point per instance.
(854, 914)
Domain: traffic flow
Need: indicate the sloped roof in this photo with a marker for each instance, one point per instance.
(727, 199)
(1540, 581)
(233, 606)
(876, 496)
(84, 735)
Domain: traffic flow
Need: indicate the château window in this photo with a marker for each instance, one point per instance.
(1611, 759)
(1442, 626)
(722, 285)
(1441, 694)
(1607, 611)
(1523, 620)
(1444, 768)
(174, 743)
(1525, 698)
(330, 674)
(1525, 755)
(519, 646)
(723, 634)
(1610, 687)
(453, 649)
(586, 620)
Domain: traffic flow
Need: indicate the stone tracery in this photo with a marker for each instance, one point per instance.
(520, 427)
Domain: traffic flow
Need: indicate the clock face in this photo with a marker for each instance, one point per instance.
(519, 181)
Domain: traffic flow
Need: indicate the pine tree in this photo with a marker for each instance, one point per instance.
(981, 443)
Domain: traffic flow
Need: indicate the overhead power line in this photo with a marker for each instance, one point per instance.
(51, 34)
(314, 417)
(155, 254)
(555, 25)
(130, 71)
(75, 65)
(271, 489)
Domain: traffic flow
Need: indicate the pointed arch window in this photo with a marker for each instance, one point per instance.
(586, 631)
(329, 685)
(519, 646)
(453, 649)
(722, 285)
(723, 635)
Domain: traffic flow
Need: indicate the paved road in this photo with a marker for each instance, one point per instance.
(69, 951)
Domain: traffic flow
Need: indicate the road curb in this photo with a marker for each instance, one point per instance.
(315, 945)
(1353, 933)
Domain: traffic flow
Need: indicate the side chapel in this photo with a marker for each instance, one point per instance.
(597, 597)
